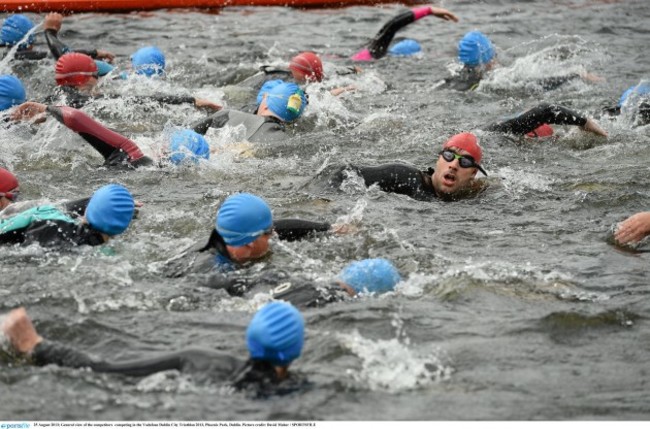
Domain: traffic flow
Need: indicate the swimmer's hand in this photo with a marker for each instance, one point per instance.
(338, 91)
(633, 229)
(20, 331)
(343, 228)
(29, 110)
(591, 78)
(206, 104)
(53, 22)
(592, 127)
(443, 14)
(105, 55)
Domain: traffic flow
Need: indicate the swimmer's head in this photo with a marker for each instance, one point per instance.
(467, 142)
(103, 68)
(188, 146)
(640, 90)
(14, 29)
(370, 275)
(405, 48)
(285, 100)
(243, 218)
(12, 92)
(110, 209)
(544, 130)
(475, 49)
(306, 67)
(276, 334)
(148, 61)
(75, 69)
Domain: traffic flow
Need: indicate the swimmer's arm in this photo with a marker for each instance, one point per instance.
(297, 229)
(104, 140)
(551, 83)
(218, 120)
(379, 45)
(76, 207)
(49, 352)
(541, 114)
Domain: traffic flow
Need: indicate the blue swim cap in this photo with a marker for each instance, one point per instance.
(475, 49)
(148, 61)
(405, 48)
(14, 29)
(103, 68)
(370, 275)
(110, 209)
(276, 334)
(638, 90)
(188, 145)
(242, 218)
(12, 92)
(285, 99)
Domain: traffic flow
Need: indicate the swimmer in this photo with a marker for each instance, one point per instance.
(303, 68)
(274, 337)
(77, 77)
(278, 103)
(243, 228)
(452, 178)
(378, 47)
(185, 146)
(108, 214)
(477, 54)
(14, 29)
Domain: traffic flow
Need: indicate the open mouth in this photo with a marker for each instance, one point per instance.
(449, 179)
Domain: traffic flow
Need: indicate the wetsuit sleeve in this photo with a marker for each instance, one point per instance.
(533, 118)
(30, 55)
(297, 229)
(162, 99)
(105, 141)
(218, 120)
(231, 283)
(58, 48)
(305, 294)
(379, 44)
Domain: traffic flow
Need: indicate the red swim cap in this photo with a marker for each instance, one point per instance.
(8, 181)
(467, 142)
(74, 69)
(544, 130)
(307, 66)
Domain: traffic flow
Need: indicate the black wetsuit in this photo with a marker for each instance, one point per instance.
(117, 150)
(58, 48)
(539, 115)
(26, 54)
(259, 129)
(203, 365)
(397, 178)
(213, 256)
(469, 78)
(57, 233)
(76, 99)
(378, 46)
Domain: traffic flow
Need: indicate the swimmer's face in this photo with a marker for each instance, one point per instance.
(449, 177)
(251, 251)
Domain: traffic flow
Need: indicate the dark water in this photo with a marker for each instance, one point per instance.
(515, 304)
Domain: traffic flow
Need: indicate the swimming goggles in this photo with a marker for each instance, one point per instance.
(465, 161)
(13, 195)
